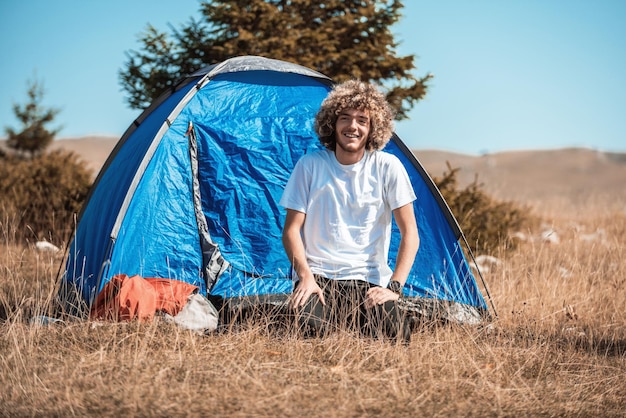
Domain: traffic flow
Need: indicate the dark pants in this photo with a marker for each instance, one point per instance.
(345, 309)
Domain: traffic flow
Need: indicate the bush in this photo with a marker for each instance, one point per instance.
(486, 222)
(40, 196)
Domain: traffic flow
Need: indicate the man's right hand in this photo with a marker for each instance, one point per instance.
(294, 247)
(303, 291)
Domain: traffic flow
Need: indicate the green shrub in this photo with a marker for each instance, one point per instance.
(40, 196)
(486, 222)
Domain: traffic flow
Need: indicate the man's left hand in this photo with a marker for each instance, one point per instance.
(378, 295)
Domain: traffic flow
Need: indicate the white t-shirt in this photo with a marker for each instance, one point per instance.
(348, 210)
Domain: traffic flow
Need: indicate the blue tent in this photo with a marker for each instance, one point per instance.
(190, 193)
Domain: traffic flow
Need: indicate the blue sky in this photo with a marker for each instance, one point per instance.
(508, 74)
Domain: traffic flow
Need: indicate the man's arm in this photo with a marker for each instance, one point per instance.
(409, 243)
(294, 247)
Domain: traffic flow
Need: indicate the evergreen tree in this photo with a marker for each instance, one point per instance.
(342, 39)
(34, 136)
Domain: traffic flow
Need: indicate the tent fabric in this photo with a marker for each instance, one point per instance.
(191, 192)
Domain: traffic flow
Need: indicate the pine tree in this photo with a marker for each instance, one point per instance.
(34, 137)
(342, 39)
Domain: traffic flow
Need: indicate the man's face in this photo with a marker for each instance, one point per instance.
(352, 130)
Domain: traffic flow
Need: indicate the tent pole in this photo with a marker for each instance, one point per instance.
(482, 279)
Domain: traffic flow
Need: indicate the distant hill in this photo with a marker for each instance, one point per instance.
(563, 179)
(548, 180)
(94, 150)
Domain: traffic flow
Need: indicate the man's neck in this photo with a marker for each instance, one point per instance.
(349, 158)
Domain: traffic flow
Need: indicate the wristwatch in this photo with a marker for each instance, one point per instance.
(395, 286)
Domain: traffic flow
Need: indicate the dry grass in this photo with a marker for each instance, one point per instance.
(558, 348)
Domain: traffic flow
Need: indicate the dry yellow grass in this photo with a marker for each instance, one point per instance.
(558, 347)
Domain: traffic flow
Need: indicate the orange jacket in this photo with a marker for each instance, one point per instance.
(126, 298)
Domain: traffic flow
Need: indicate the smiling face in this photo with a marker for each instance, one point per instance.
(351, 132)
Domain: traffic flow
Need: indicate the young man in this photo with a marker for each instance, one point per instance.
(337, 231)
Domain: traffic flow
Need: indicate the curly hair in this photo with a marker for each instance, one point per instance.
(354, 94)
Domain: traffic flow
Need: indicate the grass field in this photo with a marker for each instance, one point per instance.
(557, 348)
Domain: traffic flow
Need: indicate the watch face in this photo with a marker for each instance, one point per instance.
(395, 286)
